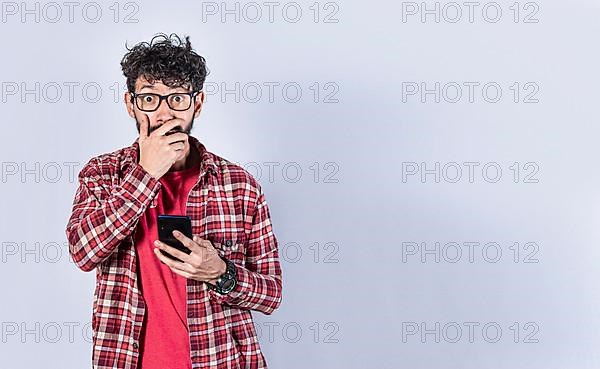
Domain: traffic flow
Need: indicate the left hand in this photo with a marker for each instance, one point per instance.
(203, 264)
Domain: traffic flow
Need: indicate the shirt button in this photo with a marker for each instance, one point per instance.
(228, 243)
(135, 345)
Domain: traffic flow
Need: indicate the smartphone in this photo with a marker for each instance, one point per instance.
(167, 224)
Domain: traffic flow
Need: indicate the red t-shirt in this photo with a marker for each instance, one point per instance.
(164, 341)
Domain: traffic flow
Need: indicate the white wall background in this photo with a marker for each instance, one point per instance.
(367, 298)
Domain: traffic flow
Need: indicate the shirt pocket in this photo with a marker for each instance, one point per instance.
(231, 244)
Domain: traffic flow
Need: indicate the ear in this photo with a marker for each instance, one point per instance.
(129, 104)
(199, 102)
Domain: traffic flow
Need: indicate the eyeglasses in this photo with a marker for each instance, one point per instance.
(178, 101)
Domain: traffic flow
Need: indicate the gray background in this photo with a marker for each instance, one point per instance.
(357, 301)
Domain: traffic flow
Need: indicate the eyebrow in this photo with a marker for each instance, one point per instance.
(152, 86)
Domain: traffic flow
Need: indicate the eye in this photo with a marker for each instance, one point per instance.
(177, 98)
(148, 98)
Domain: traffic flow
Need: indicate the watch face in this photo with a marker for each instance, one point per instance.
(228, 284)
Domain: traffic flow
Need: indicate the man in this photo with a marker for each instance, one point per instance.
(152, 311)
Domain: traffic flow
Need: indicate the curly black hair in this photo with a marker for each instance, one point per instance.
(166, 59)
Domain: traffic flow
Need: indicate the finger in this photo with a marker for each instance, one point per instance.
(183, 274)
(203, 243)
(176, 137)
(178, 146)
(148, 121)
(189, 243)
(173, 264)
(166, 127)
(173, 251)
(144, 127)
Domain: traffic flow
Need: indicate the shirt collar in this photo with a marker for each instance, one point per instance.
(207, 162)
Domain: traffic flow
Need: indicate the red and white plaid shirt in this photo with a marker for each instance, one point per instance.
(227, 206)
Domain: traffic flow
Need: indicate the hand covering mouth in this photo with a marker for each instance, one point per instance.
(174, 130)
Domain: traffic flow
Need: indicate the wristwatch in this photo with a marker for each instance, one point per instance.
(226, 281)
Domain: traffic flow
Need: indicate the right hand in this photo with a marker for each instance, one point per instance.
(159, 152)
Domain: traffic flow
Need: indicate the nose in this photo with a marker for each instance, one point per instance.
(163, 113)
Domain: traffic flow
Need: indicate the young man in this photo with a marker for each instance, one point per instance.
(152, 311)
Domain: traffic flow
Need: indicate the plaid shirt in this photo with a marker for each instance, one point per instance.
(227, 206)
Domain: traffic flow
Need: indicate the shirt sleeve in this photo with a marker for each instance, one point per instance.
(102, 218)
(259, 282)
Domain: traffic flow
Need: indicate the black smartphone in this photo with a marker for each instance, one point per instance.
(167, 224)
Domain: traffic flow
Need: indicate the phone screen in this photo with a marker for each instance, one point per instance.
(167, 224)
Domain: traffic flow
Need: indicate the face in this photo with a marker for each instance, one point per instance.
(164, 113)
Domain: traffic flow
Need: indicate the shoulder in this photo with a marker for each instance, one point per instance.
(105, 165)
(239, 184)
(233, 173)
